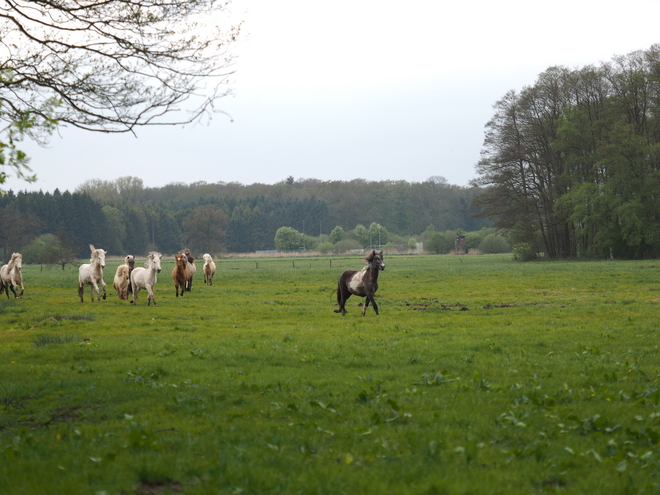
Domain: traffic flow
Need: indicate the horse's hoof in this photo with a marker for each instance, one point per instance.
(104, 297)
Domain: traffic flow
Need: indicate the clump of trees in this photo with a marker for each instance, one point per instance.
(124, 217)
(486, 241)
(571, 164)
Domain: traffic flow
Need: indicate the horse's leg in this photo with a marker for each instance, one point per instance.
(370, 297)
(81, 290)
(13, 289)
(342, 296)
(95, 288)
(339, 300)
(104, 288)
(366, 304)
(151, 296)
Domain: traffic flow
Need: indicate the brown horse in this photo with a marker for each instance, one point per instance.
(192, 269)
(180, 273)
(363, 283)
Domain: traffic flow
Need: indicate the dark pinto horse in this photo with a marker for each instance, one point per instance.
(363, 283)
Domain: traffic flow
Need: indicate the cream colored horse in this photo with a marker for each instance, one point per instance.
(145, 278)
(92, 273)
(209, 269)
(11, 276)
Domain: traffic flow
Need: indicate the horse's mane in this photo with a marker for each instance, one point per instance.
(13, 259)
(370, 257)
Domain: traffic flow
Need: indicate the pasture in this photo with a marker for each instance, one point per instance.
(481, 375)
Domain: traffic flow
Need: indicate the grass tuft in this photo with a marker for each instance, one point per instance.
(44, 339)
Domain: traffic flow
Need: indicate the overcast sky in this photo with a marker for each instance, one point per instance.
(371, 89)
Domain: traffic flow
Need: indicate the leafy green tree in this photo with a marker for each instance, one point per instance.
(336, 235)
(361, 234)
(378, 235)
(49, 249)
(288, 239)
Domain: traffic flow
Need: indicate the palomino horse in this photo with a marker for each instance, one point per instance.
(209, 269)
(363, 283)
(145, 278)
(122, 280)
(11, 276)
(92, 273)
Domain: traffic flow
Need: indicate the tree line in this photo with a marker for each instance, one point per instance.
(571, 164)
(123, 216)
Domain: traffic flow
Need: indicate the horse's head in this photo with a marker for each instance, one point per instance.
(153, 261)
(207, 258)
(101, 255)
(17, 261)
(180, 259)
(130, 260)
(98, 254)
(375, 258)
(188, 254)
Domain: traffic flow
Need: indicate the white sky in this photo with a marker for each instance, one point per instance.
(372, 89)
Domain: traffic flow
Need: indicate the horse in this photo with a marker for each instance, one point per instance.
(122, 280)
(180, 273)
(145, 278)
(363, 283)
(130, 261)
(11, 276)
(191, 268)
(209, 269)
(92, 273)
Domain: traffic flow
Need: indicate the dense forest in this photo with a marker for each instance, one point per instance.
(123, 216)
(571, 164)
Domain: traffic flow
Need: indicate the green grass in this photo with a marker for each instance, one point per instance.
(480, 376)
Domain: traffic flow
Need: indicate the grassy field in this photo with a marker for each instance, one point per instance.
(481, 375)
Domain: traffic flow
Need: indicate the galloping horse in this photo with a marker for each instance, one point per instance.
(192, 269)
(363, 283)
(11, 276)
(122, 280)
(92, 273)
(180, 273)
(209, 269)
(145, 278)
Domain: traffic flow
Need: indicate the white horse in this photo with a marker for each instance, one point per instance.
(11, 276)
(92, 273)
(145, 278)
(209, 269)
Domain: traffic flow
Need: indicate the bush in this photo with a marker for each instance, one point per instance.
(347, 245)
(288, 239)
(337, 234)
(493, 244)
(441, 243)
(325, 247)
(523, 251)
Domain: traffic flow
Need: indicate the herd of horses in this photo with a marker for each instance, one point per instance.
(129, 280)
